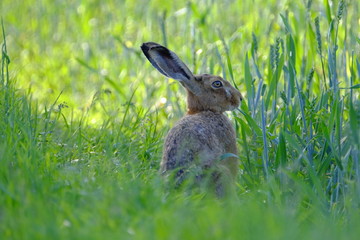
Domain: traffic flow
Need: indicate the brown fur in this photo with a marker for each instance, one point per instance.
(202, 136)
(216, 100)
(205, 134)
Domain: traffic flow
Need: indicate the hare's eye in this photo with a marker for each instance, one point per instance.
(217, 84)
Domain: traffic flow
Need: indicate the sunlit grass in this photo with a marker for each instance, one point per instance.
(83, 116)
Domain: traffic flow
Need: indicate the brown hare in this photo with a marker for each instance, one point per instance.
(204, 139)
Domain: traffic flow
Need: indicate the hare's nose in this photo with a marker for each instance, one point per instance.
(241, 97)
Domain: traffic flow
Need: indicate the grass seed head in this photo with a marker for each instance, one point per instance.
(272, 56)
(310, 76)
(254, 43)
(308, 5)
(340, 10)
(318, 35)
(277, 51)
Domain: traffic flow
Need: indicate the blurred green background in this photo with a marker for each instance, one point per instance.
(83, 115)
(81, 48)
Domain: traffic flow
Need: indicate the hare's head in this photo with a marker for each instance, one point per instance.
(205, 91)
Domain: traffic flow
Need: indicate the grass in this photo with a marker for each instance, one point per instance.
(83, 116)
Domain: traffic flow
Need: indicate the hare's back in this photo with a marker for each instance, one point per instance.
(198, 138)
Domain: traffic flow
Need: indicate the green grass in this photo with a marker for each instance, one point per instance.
(83, 116)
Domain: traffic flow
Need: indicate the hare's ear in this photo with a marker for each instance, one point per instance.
(166, 62)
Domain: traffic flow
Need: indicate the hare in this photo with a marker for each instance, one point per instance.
(204, 136)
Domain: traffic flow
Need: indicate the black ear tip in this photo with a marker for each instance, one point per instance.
(149, 45)
(144, 47)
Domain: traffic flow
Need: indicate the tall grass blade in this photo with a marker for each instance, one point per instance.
(266, 151)
(249, 85)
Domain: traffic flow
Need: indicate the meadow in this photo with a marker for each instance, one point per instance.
(83, 116)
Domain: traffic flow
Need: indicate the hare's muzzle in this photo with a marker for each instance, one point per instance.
(235, 101)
